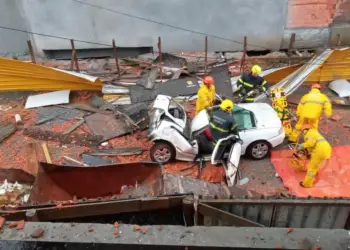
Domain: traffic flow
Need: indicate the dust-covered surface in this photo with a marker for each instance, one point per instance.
(100, 235)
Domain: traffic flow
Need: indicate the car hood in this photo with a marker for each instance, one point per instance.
(265, 115)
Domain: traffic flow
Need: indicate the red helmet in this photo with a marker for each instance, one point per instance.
(208, 80)
(316, 86)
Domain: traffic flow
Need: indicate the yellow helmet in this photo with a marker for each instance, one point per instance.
(256, 69)
(227, 105)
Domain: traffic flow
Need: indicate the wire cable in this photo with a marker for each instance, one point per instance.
(108, 45)
(165, 24)
(53, 36)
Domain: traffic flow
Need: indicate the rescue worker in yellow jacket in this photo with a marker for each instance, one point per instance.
(206, 94)
(320, 151)
(251, 81)
(310, 109)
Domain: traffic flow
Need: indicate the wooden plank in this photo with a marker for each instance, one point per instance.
(46, 153)
(230, 219)
(160, 57)
(206, 56)
(73, 127)
(291, 42)
(32, 56)
(33, 164)
(116, 57)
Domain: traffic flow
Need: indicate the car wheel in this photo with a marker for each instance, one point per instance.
(259, 150)
(162, 152)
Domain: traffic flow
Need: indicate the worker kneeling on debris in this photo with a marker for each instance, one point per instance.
(222, 123)
(250, 82)
(206, 94)
(310, 109)
(320, 151)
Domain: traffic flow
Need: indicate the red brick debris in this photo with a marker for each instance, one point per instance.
(20, 225)
(137, 228)
(144, 230)
(2, 222)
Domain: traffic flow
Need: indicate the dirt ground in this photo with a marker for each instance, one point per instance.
(261, 174)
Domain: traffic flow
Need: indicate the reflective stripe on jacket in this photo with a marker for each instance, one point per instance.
(250, 82)
(317, 144)
(222, 124)
(312, 104)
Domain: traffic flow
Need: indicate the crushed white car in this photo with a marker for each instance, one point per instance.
(175, 136)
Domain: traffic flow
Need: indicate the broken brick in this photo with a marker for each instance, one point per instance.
(317, 248)
(279, 246)
(116, 232)
(336, 118)
(137, 228)
(116, 224)
(144, 230)
(39, 232)
(246, 236)
(2, 222)
(289, 230)
(20, 225)
(160, 228)
(12, 224)
(91, 230)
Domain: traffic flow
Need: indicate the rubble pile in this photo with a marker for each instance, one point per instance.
(80, 129)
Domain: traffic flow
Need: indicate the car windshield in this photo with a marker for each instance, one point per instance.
(244, 118)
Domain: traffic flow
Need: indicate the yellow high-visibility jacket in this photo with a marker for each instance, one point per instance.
(312, 104)
(206, 97)
(317, 145)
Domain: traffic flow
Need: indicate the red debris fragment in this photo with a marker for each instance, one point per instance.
(39, 232)
(246, 236)
(317, 248)
(13, 224)
(160, 228)
(289, 230)
(336, 118)
(137, 228)
(91, 230)
(144, 230)
(116, 232)
(20, 225)
(279, 246)
(2, 222)
(116, 224)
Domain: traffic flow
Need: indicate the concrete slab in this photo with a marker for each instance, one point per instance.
(105, 236)
(107, 126)
(185, 87)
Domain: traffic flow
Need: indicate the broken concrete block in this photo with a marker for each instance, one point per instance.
(39, 232)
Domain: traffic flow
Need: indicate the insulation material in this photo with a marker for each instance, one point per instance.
(47, 99)
(333, 179)
(17, 75)
(341, 87)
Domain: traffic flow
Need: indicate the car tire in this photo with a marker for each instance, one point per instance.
(162, 152)
(259, 150)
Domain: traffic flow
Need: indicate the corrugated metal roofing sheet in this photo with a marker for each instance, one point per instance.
(17, 75)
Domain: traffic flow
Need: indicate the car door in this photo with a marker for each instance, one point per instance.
(232, 162)
(246, 123)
